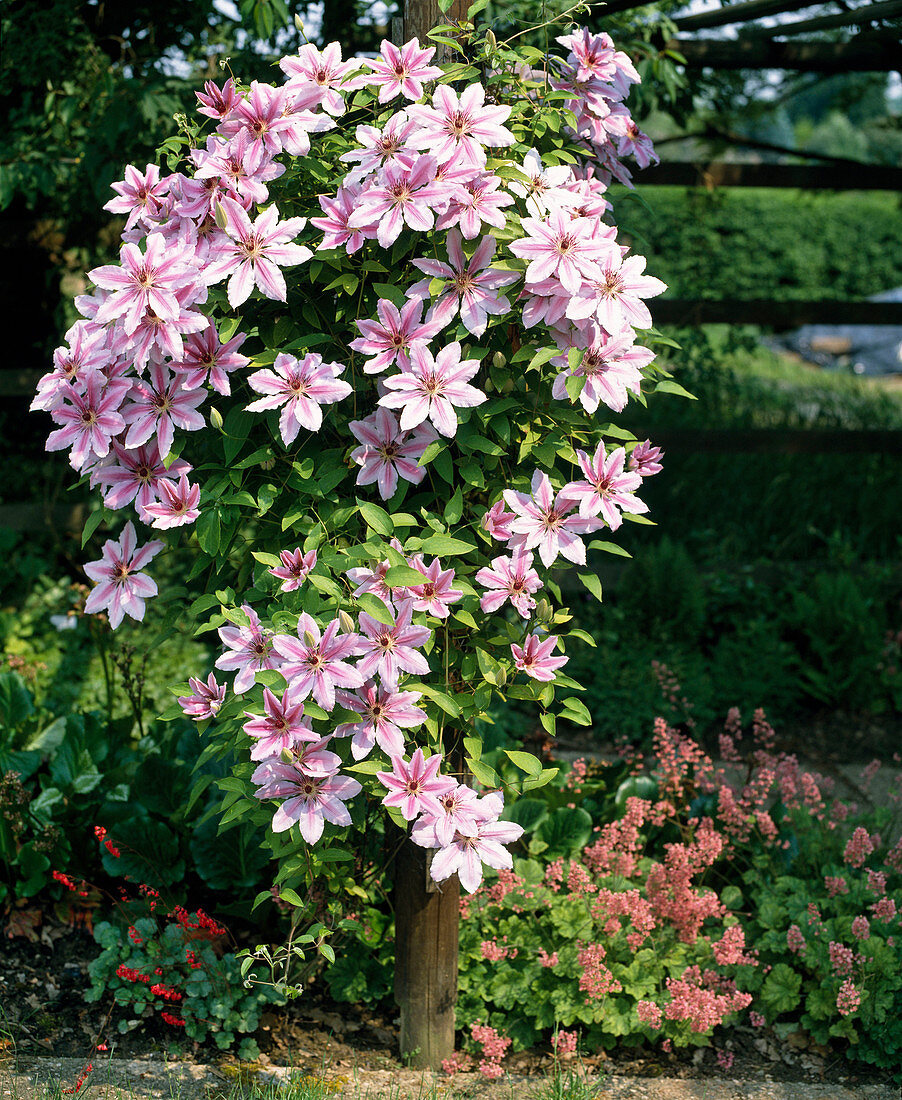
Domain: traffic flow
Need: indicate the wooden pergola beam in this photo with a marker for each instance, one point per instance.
(739, 13)
(830, 177)
(867, 53)
(776, 315)
(859, 17)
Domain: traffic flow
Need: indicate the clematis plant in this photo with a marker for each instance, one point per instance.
(373, 419)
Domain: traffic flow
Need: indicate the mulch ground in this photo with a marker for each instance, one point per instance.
(44, 1015)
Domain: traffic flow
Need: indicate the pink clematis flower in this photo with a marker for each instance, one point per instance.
(462, 126)
(471, 847)
(249, 649)
(389, 147)
(336, 231)
(436, 594)
(593, 55)
(316, 77)
(608, 489)
(281, 726)
(294, 568)
(253, 253)
(389, 339)
(85, 353)
(388, 650)
(239, 165)
(120, 588)
(399, 71)
(543, 521)
(139, 196)
(383, 714)
(547, 189)
(136, 476)
(416, 786)
(270, 117)
(646, 459)
(89, 419)
(535, 658)
(569, 248)
(615, 296)
(388, 452)
(401, 196)
(313, 662)
(158, 406)
(510, 578)
(158, 337)
(310, 801)
(472, 285)
(433, 388)
(299, 387)
(460, 813)
(479, 201)
(177, 504)
(612, 368)
(143, 281)
(497, 522)
(216, 102)
(206, 699)
(206, 360)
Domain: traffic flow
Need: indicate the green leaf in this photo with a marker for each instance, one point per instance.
(377, 518)
(533, 782)
(445, 701)
(376, 608)
(666, 386)
(591, 581)
(780, 992)
(527, 812)
(209, 531)
(400, 576)
(487, 776)
(576, 711)
(91, 524)
(574, 385)
(609, 548)
(565, 831)
(542, 356)
(444, 544)
(454, 509)
(525, 761)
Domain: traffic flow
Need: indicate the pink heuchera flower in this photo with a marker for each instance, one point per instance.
(280, 727)
(388, 650)
(462, 126)
(120, 588)
(383, 714)
(436, 594)
(253, 253)
(388, 452)
(135, 476)
(294, 568)
(472, 285)
(544, 521)
(607, 489)
(414, 787)
(314, 662)
(206, 360)
(299, 387)
(510, 578)
(399, 71)
(177, 504)
(139, 196)
(206, 699)
(89, 419)
(248, 650)
(433, 388)
(389, 339)
(535, 658)
(310, 801)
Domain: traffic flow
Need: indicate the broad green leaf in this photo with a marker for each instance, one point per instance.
(487, 776)
(666, 386)
(591, 581)
(373, 606)
(377, 518)
(400, 576)
(525, 761)
(534, 782)
(576, 711)
(444, 700)
(445, 544)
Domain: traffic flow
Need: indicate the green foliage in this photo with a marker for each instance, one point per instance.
(180, 973)
(778, 245)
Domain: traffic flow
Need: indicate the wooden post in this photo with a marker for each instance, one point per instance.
(426, 924)
(427, 914)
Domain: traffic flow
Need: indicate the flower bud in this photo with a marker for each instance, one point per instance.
(491, 42)
(543, 610)
(222, 220)
(309, 639)
(498, 359)
(216, 419)
(347, 623)
(299, 23)
(286, 756)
